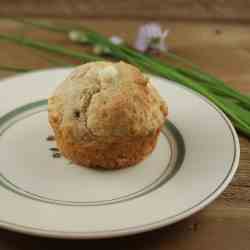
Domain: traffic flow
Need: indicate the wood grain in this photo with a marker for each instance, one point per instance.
(169, 9)
(220, 48)
(201, 231)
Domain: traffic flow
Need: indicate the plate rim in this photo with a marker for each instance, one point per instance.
(141, 228)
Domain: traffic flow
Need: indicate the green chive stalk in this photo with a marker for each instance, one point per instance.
(235, 104)
(210, 82)
(14, 69)
(52, 48)
(195, 72)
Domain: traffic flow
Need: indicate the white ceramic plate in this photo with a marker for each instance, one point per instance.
(195, 159)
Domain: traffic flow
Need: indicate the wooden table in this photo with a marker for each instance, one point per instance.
(222, 48)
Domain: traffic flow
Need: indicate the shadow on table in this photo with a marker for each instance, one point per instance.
(156, 239)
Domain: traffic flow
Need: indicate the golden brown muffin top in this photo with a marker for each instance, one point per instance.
(103, 99)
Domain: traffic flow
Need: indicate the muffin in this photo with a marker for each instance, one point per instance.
(106, 115)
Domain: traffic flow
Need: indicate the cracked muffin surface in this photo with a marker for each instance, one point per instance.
(106, 115)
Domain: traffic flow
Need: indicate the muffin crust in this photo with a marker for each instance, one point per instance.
(106, 115)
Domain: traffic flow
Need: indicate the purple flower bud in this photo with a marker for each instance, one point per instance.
(151, 37)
